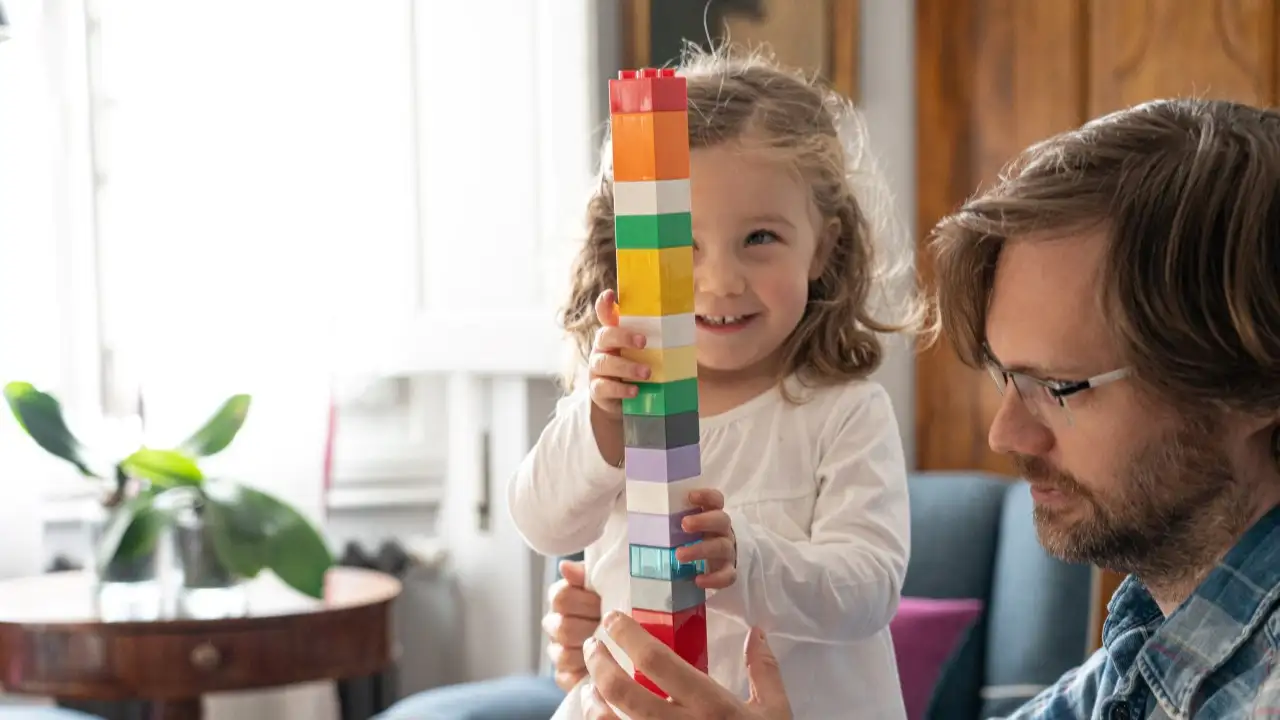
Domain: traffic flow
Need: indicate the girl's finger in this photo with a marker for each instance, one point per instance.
(606, 389)
(607, 308)
(612, 339)
(715, 521)
(707, 499)
(564, 659)
(718, 579)
(719, 549)
(613, 366)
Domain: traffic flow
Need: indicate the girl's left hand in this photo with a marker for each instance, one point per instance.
(719, 546)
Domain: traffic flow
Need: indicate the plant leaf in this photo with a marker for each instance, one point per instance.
(164, 468)
(132, 530)
(299, 556)
(241, 553)
(255, 530)
(238, 537)
(40, 415)
(219, 430)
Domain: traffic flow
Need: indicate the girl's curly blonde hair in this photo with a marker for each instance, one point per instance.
(749, 98)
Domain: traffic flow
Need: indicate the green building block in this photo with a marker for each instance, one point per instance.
(653, 232)
(671, 398)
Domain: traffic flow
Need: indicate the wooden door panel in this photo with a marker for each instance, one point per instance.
(996, 75)
(993, 77)
(948, 405)
(1208, 48)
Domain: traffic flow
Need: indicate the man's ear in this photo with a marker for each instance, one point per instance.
(827, 240)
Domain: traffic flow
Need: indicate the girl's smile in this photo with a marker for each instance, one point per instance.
(725, 324)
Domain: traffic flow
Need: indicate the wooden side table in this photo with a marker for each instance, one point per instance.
(55, 642)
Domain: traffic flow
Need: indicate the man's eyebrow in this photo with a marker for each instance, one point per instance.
(1040, 371)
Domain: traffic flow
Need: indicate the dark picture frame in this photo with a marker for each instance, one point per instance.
(653, 29)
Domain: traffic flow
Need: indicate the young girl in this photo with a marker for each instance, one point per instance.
(804, 522)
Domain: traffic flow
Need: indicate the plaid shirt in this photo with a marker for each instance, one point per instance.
(1214, 658)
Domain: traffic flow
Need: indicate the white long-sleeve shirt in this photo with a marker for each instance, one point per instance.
(817, 493)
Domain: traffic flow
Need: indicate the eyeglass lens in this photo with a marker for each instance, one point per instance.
(1035, 395)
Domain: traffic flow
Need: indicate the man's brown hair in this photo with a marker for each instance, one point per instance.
(1188, 192)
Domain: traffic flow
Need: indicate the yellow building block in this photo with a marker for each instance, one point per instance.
(666, 364)
(655, 282)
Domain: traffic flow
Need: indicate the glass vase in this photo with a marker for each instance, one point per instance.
(197, 583)
(125, 588)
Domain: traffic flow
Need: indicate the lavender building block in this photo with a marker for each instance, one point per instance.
(663, 465)
(659, 530)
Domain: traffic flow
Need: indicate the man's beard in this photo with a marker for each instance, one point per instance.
(1176, 507)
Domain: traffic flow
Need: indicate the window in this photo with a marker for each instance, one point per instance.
(268, 191)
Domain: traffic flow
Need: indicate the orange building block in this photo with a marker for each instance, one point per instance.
(655, 282)
(650, 146)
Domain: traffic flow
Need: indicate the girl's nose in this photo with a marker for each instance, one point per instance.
(718, 274)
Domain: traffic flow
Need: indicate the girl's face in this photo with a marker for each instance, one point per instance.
(758, 241)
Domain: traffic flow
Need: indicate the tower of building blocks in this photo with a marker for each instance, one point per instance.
(654, 239)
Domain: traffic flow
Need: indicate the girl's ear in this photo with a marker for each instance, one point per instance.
(826, 243)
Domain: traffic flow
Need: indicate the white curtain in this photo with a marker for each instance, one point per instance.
(30, 331)
(30, 324)
(272, 175)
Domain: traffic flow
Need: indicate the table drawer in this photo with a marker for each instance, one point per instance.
(183, 664)
(53, 641)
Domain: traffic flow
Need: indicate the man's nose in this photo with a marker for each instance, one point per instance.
(718, 273)
(1015, 429)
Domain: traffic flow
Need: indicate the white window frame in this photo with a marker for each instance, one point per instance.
(401, 352)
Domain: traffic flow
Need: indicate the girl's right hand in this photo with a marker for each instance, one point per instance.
(612, 376)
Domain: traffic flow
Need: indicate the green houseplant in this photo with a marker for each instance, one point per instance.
(243, 530)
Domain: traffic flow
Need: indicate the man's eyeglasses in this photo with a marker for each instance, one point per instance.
(1046, 397)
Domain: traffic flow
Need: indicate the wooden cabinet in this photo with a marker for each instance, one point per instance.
(997, 75)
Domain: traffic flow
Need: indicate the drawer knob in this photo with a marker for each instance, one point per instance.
(205, 656)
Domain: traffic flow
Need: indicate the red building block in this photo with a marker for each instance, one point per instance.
(685, 632)
(647, 90)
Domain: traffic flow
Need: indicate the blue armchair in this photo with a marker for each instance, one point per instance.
(972, 537)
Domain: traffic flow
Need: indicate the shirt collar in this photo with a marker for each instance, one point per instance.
(1223, 612)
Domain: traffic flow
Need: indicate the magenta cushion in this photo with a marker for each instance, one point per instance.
(925, 632)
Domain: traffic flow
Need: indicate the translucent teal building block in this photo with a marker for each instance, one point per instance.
(657, 563)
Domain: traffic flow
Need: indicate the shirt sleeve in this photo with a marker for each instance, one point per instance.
(1267, 699)
(843, 584)
(561, 496)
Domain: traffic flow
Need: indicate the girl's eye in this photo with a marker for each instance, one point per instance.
(761, 237)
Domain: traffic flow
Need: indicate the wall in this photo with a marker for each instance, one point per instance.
(888, 101)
